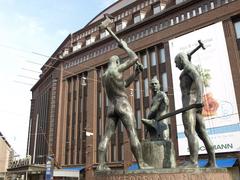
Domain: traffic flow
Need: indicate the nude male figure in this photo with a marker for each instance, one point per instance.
(192, 93)
(121, 110)
(159, 107)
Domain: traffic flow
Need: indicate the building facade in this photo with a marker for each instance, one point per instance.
(69, 105)
(6, 156)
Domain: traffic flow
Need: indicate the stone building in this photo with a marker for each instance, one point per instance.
(5, 155)
(68, 106)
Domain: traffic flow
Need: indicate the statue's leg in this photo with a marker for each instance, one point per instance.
(189, 123)
(165, 129)
(126, 115)
(110, 129)
(202, 133)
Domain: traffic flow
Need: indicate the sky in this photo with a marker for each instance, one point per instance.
(27, 28)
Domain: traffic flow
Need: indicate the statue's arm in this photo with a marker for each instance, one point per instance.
(138, 69)
(165, 100)
(130, 80)
(131, 60)
(153, 110)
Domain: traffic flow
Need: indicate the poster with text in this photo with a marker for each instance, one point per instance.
(220, 108)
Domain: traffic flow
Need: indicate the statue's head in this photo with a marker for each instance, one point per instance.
(181, 60)
(114, 61)
(155, 85)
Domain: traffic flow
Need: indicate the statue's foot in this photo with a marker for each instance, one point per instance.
(144, 165)
(188, 164)
(103, 167)
(211, 165)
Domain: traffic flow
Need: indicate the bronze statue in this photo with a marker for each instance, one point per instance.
(192, 93)
(158, 130)
(120, 109)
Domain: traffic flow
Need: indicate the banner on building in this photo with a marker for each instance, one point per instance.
(49, 168)
(220, 111)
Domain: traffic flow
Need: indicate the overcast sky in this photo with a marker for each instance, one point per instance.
(27, 27)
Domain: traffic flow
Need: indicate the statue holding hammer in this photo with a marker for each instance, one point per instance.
(192, 93)
(120, 109)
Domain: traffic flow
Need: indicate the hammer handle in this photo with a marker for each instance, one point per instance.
(117, 39)
(181, 110)
(113, 35)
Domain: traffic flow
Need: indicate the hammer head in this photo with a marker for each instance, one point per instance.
(201, 44)
(106, 23)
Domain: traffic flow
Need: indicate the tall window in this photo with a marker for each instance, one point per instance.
(146, 88)
(137, 90)
(164, 82)
(162, 55)
(115, 152)
(138, 119)
(144, 61)
(200, 10)
(122, 152)
(153, 58)
(237, 29)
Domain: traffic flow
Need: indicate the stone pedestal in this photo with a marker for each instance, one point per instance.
(167, 174)
(159, 154)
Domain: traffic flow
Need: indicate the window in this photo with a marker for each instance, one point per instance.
(237, 29)
(177, 19)
(121, 25)
(137, 90)
(153, 58)
(182, 17)
(164, 82)
(90, 40)
(205, 8)
(146, 88)
(147, 112)
(162, 55)
(188, 15)
(156, 9)
(138, 119)
(77, 46)
(100, 131)
(212, 5)
(115, 153)
(200, 10)
(179, 1)
(136, 18)
(122, 152)
(107, 101)
(103, 34)
(144, 61)
(99, 99)
(66, 51)
(194, 13)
